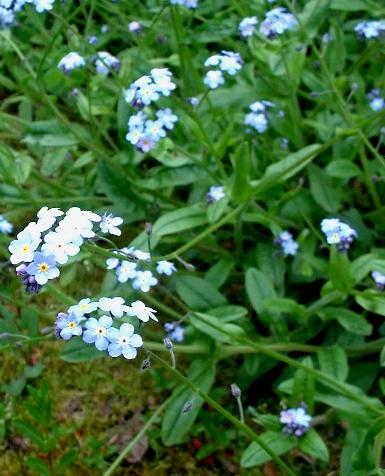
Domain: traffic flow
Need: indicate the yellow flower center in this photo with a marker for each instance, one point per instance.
(84, 306)
(25, 249)
(71, 324)
(43, 267)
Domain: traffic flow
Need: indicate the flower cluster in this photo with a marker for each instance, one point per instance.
(71, 61)
(94, 321)
(185, 3)
(215, 193)
(5, 225)
(257, 118)
(379, 279)
(8, 8)
(338, 233)
(227, 62)
(44, 244)
(174, 331)
(104, 62)
(276, 22)
(376, 101)
(295, 420)
(370, 29)
(247, 26)
(129, 269)
(287, 244)
(143, 132)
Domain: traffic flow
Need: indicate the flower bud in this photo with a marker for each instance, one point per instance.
(148, 228)
(145, 364)
(235, 390)
(167, 343)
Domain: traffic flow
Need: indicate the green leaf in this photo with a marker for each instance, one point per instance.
(241, 189)
(286, 168)
(350, 5)
(323, 190)
(219, 272)
(254, 455)
(197, 293)
(229, 313)
(382, 357)
(176, 424)
(349, 320)
(259, 288)
(333, 362)
(216, 209)
(372, 301)
(180, 220)
(339, 270)
(303, 386)
(312, 444)
(313, 15)
(342, 168)
(78, 351)
(205, 323)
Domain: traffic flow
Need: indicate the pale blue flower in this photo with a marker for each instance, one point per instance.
(97, 330)
(5, 225)
(125, 271)
(288, 245)
(124, 341)
(141, 311)
(165, 267)
(216, 193)
(59, 246)
(43, 5)
(370, 29)
(70, 62)
(276, 22)
(213, 79)
(134, 27)
(109, 224)
(22, 249)
(185, 3)
(68, 325)
(295, 420)
(338, 233)
(84, 306)
(154, 130)
(114, 305)
(43, 268)
(379, 279)
(144, 280)
(166, 118)
(174, 331)
(104, 62)
(247, 26)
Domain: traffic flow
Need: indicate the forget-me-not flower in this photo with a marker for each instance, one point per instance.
(97, 330)
(43, 268)
(144, 280)
(165, 267)
(124, 341)
(143, 313)
(84, 306)
(109, 224)
(68, 325)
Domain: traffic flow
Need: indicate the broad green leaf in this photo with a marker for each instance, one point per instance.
(312, 444)
(216, 209)
(342, 168)
(180, 220)
(176, 424)
(78, 351)
(221, 331)
(219, 272)
(286, 168)
(163, 177)
(254, 455)
(339, 270)
(350, 5)
(372, 301)
(197, 293)
(303, 386)
(229, 313)
(333, 362)
(241, 188)
(349, 320)
(323, 190)
(313, 15)
(259, 288)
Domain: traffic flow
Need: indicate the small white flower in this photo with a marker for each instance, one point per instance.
(144, 280)
(126, 271)
(110, 223)
(114, 305)
(165, 267)
(59, 246)
(47, 217)
(143, 313)
(84, 306)
(216, 193)
(71, 61)
(22, 249)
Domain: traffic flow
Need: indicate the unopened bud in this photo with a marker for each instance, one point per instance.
(235, 390)
(145, 364)
(167, 343)
(187, 406)
(148, 228)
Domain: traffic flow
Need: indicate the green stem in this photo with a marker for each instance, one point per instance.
(227, 415)
(137, 438)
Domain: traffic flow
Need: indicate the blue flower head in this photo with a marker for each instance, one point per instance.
(124, 341)
(97, 331)
(68, 325)
(43, 268)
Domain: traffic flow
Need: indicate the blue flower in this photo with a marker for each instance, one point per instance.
(71, 61)
(379, 279)
(376, 101)
(126, 271)
(43, 268)
(295, 420)
(97, 331)
(144, 280)
(124, 341)
(174, 331)
(185, 3)
(213, 79)
(276, 22)
(84, 306)
(370, 29)
(104, 62)
(165, 267)
(215, 193)
(288, 244)
(166, 118)
(154, 130)
(109, 224)
(5, 225)
(338, 233)
(247, 26)
(68, 325)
